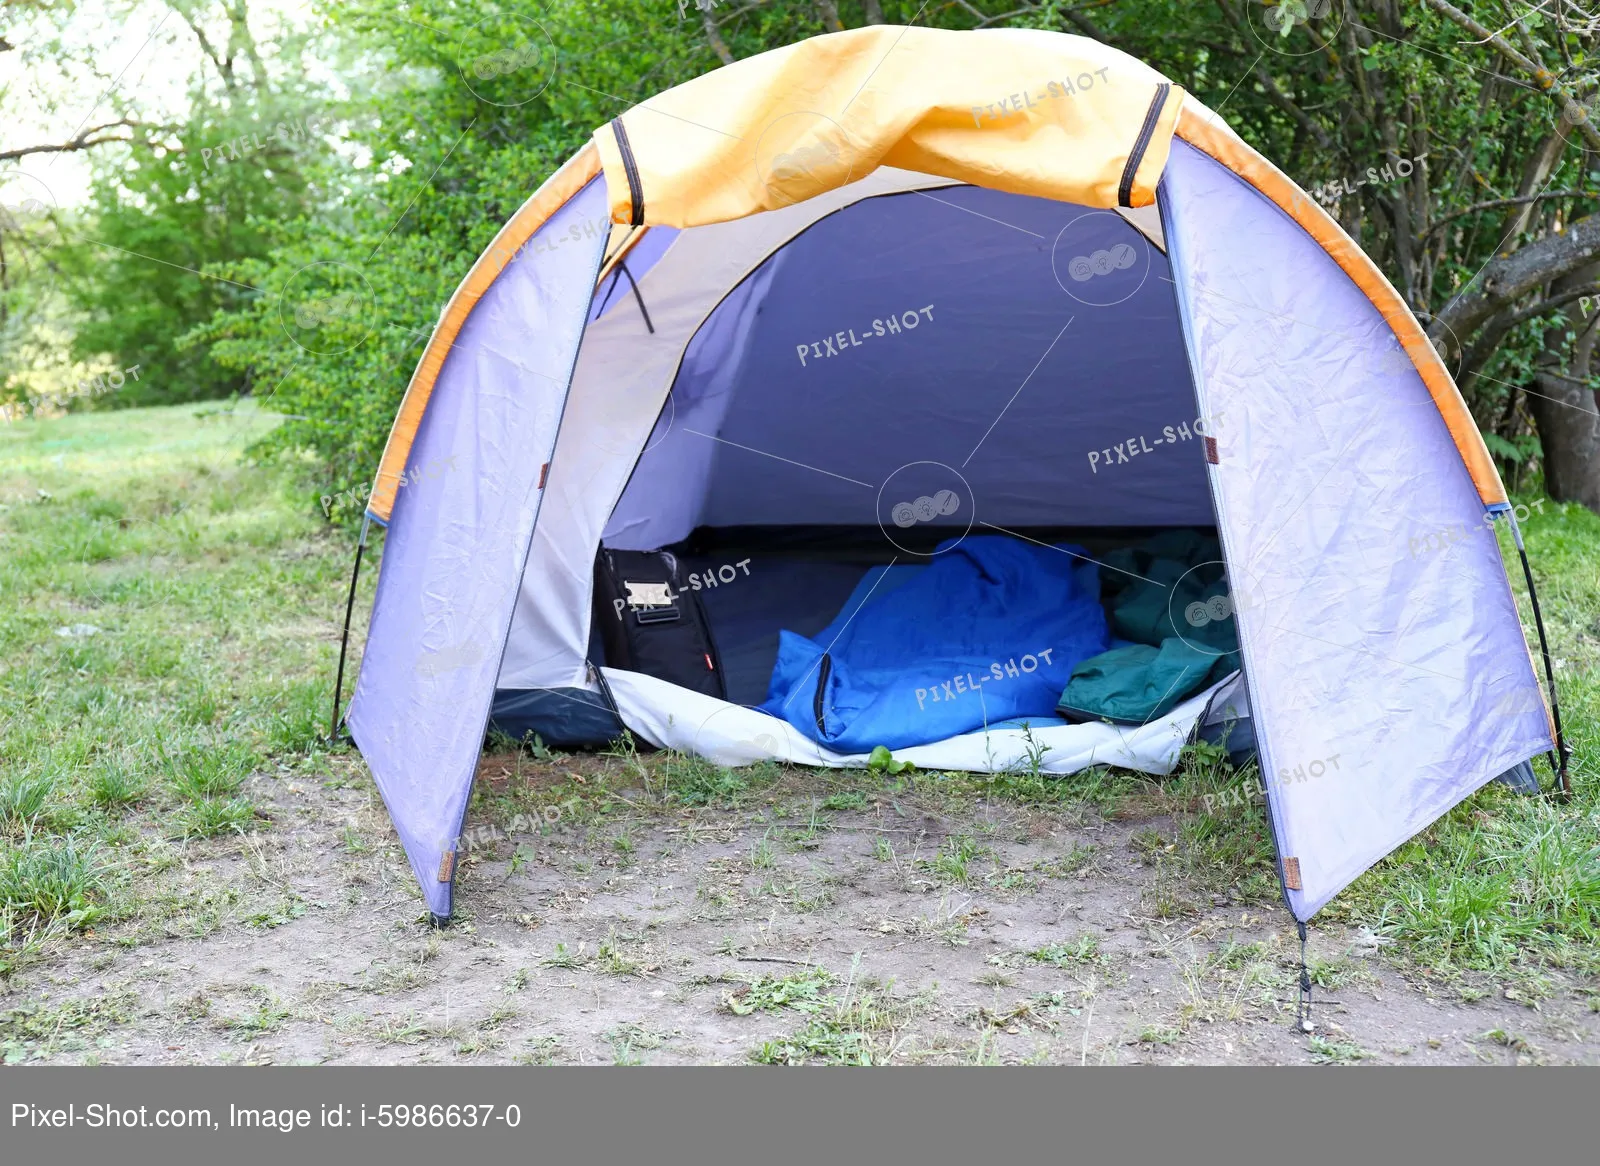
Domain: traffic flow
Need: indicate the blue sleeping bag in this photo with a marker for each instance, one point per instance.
(989, 630)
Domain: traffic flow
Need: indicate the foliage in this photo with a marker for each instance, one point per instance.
(327, 260)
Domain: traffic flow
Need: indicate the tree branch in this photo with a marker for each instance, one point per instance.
(714, 38)
(1507, 278)
(83, 141)
(1571, 111)
(1496, 204)
(1552, 302)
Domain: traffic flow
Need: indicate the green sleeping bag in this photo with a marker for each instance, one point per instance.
(1155, 594)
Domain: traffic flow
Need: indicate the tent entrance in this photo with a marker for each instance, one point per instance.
(910, 373)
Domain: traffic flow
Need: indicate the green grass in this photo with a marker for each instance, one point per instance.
(167, 620)
(168, 627)
(801, 991)
(1083, 950)
(859, 1027)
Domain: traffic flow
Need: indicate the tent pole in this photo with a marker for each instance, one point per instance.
(344, 640)
(1558, 760)
(643, 311)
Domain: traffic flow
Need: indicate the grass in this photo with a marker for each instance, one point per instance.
(1083, 950)
(50, 881)
(167, 640)
(862, 1026)
(200, 593)
(801, 991)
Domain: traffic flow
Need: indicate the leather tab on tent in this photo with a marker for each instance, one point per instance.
(544, 474)
(1211, 451)
(447, 865)
(1291, 874)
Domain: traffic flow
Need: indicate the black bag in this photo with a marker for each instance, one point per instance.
(648, 622)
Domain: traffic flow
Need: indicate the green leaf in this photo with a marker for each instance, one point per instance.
(1502, 447)
(880, 760)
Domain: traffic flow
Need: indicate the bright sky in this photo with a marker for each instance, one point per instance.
(142, 54)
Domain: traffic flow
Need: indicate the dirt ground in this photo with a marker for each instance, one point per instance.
(865, 927)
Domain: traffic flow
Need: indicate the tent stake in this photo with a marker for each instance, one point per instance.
(1303, 1010)
(1558, 760)
(344, 640)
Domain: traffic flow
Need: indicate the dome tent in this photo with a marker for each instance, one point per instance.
(1008, 284)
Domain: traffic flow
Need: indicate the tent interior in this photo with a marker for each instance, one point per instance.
(902, 373)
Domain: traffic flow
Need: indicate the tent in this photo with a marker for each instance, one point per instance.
(880, 300)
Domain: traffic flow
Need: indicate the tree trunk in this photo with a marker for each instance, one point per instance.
(1564, 407)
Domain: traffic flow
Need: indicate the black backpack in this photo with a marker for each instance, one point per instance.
(648, 621)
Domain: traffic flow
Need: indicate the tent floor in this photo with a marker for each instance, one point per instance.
(671, 717)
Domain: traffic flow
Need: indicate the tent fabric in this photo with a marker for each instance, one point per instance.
(984, 328)
(1204, 131)
(1384, 688)
(1020, 110)
(506, 247)
(1066, 145)
(457, 543)
(990, 629)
